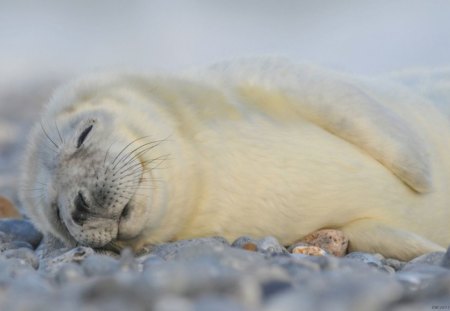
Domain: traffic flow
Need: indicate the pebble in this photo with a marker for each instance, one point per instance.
(270, 245)
(332, 241)
(25, 254)
(446, 259)
(98, 265)
(434, 258)
(19, 230)
(267, 245)
(305, 249)
(211, 274)
(7, 209)
(370, 259)
(169, 251)
(69, 273)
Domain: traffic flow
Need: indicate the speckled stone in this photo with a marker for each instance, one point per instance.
(334, 242)
(306, 249)
(20, 230)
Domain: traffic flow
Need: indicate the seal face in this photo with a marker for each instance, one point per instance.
(248, 148)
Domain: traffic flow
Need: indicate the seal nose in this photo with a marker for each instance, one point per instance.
(81, 212)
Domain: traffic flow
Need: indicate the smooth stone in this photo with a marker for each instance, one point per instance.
(69, 273)
(271, 288)
(175, 303)
(115, 293)
(203, 270)
(25, 254)
(20, 230)
(128, 262)
(394, 263)
(148, 261)
(446, 259)
(370, 259)
(169, 251)
(8, 210)
(418, 275)
(434, 258)
(247, 243)
(218, 303)
(324, 262)
(339, 291)
(270, 245)
(14, 245)
(99, 265)
(12, 268)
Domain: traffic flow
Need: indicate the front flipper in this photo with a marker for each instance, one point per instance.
(369, 235)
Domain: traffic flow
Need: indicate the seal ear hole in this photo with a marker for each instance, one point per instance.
(83, 135)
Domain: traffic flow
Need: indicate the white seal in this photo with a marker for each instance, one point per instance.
(252, 148)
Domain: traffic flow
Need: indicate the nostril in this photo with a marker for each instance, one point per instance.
(80, 214)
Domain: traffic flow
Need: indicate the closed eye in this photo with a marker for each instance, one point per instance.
(83, 135)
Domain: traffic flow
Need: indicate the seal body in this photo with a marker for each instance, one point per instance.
(247, 148)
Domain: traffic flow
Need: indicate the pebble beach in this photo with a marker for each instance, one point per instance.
(39, 273)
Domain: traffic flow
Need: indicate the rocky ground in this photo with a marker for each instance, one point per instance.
(201, 274)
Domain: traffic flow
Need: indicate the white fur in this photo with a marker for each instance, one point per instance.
(267, 148)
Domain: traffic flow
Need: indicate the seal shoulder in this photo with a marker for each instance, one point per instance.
(334, 102)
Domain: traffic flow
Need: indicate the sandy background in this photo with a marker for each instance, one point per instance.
(43, 43)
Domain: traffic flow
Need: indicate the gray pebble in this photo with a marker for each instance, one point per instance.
(25, 254)
(69, 273)
(270, 245)
(371, 259)
(12, 268)
(394, 263)
(415, 276)
(246, 242)
(446, 259)
(217, 303)
(99, 265)
(434, 258)
(169, 251)
(174, 303)
(20, 230)
(14, 245)
(148, 261)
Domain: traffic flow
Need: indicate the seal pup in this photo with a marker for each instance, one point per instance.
(262, 147)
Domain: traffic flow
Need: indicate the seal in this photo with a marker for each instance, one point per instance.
(252, 147)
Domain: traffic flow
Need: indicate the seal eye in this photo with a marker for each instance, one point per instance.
(83, 136)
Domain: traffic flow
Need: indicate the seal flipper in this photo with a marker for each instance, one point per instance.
(370, 235)
(351, 114)
(335, 103)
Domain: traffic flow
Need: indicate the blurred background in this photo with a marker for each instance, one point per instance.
(353, 35)
(45, 42)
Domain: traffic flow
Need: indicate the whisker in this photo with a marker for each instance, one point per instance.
(123, 149)
(46, 134)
